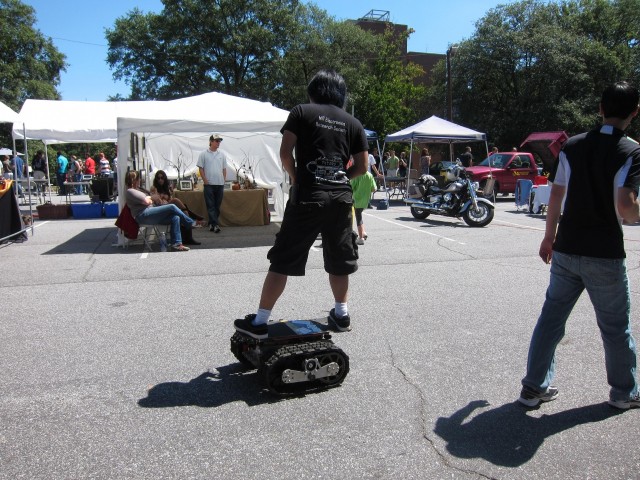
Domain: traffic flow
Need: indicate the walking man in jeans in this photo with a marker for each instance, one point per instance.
(600, 173)
(212, 164)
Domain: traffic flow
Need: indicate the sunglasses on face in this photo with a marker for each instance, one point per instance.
(217, 140)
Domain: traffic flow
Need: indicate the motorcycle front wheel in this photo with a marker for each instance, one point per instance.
(419, 213)
(478, 217)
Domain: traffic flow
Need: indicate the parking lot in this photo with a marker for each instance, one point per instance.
(116, 363)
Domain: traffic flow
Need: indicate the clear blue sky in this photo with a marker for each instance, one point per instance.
(77, 29)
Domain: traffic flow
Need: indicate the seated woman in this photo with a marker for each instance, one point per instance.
(162, 193)
(142, 209)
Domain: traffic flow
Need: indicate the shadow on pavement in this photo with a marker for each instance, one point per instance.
(90, 240)
(507, 435)
(102, 240)
(228, 384)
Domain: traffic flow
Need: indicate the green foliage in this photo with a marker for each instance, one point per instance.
(317, 42)
(534, 66)
(31, 64)
(262, 49)
(391, 99)
(197, 46)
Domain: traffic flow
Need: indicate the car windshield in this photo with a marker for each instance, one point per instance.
(498, 160)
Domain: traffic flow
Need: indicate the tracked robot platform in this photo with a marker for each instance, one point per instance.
(298, 356)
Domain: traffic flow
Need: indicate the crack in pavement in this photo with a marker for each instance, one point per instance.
(423, 416)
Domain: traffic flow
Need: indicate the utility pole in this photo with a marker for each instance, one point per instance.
(450, 52)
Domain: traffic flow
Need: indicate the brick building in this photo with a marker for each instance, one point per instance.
(376, 21)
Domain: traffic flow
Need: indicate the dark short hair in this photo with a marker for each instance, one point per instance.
(328, 87)
(619, 100)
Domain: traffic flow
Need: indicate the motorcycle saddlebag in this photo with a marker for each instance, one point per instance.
(416, 191)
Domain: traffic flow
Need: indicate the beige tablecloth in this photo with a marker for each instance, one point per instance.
(239, 208)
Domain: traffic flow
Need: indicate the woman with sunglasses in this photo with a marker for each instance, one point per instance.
(162, 194)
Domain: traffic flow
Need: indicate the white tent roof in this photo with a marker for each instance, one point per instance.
(6, 114)
(210, 112)
(436, 130)
(58, 121)
(61, 121)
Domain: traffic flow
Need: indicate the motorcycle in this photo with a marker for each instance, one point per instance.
(457, 198)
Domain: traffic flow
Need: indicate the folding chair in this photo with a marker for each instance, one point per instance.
(523, 194)
(155, 230)
(132, 229)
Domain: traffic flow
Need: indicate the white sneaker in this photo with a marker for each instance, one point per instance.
(360, 241)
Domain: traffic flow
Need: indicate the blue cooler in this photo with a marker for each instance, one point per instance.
(111, 209)
(86, 210)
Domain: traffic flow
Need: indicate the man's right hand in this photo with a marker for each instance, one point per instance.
(546, 250)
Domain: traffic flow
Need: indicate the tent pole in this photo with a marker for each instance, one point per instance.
(46, 158)
(384, 175)
(26, 163)
(406, 184)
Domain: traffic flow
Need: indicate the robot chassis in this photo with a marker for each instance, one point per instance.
(297, 357)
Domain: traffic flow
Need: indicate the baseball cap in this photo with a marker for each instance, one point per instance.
(215, 136)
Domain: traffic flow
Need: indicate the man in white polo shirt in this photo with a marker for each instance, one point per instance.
(212, 164)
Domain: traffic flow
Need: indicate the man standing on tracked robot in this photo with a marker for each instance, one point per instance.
(324, 138)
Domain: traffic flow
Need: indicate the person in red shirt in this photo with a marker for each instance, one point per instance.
(89, 165)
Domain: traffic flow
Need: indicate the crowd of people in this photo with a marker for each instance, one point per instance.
(73, 169)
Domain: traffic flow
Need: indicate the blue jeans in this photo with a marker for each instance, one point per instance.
(166, 215)
(77, 177)
(61, 177)
(213, 199)
(607, 284)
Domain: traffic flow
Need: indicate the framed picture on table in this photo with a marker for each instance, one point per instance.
(186, 185)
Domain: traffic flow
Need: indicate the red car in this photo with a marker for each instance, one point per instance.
(506, 168)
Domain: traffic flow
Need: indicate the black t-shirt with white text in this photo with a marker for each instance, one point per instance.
(327, 137)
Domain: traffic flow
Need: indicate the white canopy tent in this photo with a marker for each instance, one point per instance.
(165, 131)
(6, 114)
(436, 130)
(175, 132)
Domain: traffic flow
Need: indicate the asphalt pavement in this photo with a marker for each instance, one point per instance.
(116, 364)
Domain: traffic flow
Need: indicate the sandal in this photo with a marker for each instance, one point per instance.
(180, 248)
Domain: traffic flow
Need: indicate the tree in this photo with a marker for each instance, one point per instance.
(31, 65)
(390, 99)
(535, 65)
(197, 46)
(317, 42)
